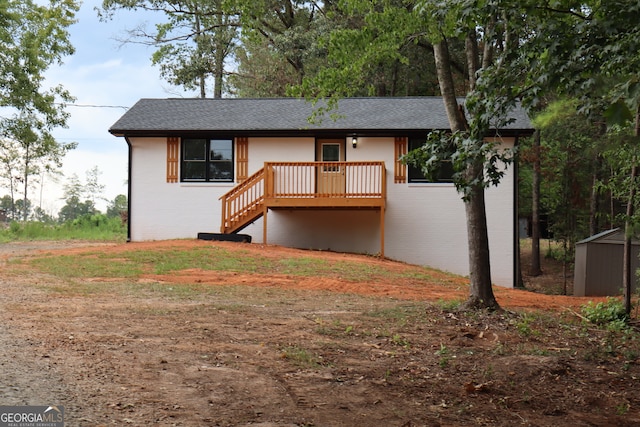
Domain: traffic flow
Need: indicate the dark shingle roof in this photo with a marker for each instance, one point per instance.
(286, 115)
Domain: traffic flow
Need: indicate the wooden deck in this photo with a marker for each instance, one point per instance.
(305, 185)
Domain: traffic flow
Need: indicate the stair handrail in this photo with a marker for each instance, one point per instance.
(237, 201)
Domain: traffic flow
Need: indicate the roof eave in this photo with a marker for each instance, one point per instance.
(293, 132)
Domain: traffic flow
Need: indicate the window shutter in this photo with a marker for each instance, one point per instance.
(242, 145)
(400, 169)
(173, 156)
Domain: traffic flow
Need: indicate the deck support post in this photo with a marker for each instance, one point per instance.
(382, 231)
(223, 226)
(264, 224)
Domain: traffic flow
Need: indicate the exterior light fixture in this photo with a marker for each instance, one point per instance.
(354, 141)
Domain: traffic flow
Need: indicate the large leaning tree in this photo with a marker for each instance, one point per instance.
(34, 37)
(465, 39)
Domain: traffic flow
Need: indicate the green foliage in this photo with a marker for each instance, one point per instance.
(400, 315)
(87, 227)
(15, 209)
(525, 325)
(619, 156)
(449, 305)
(526, 156)
(400, 341)
(302, 357)
(610, 313)
(459, 150)
(281, 44)
(194, 42)
(40, 215)
(445, 356)
(80, 197)
(117, 206)
(261, 72)
(92, 221)
(555, 113)
(570, 146)
(14, 227)
(34, 37)
(373, 48)
(588, 51)
(74, 209)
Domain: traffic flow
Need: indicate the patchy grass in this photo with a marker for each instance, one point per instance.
(134, 263)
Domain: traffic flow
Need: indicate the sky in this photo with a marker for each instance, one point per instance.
(105, 77)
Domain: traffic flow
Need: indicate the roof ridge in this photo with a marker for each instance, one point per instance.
(285, 98)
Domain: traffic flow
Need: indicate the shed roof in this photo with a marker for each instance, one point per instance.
(288, 115)
(614, 236)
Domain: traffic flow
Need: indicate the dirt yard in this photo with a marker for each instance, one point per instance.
(215, 348)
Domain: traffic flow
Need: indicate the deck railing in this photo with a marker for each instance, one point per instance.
(304, 184)
(325, 179)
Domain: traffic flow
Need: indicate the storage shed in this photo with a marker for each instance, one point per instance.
(598, 264)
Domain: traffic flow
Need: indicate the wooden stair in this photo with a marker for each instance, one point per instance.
(305, 185)
(243, 204)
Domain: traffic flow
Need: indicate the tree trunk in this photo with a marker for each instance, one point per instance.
(534, 269)
(27, 164)
(628, 275)
(219, 73)
(473, 64)
(12, 192)
(593, 199)
(627, 271)
(612, 210)
(487, 50)
(220, 54)
(201, 78)
(519, 281)
(394, 79)
(480, 291)
(447, 86)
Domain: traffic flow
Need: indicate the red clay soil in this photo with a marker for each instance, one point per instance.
(443, 287)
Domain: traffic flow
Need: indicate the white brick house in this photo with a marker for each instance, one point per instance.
(259, 166)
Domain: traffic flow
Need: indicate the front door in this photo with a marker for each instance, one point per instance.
(331, 179)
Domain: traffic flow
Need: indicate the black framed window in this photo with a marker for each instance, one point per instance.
(207, 160)
(445, 174)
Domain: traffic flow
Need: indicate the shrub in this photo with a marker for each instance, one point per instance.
(14, 227)
(603, 313)
(89, 227)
